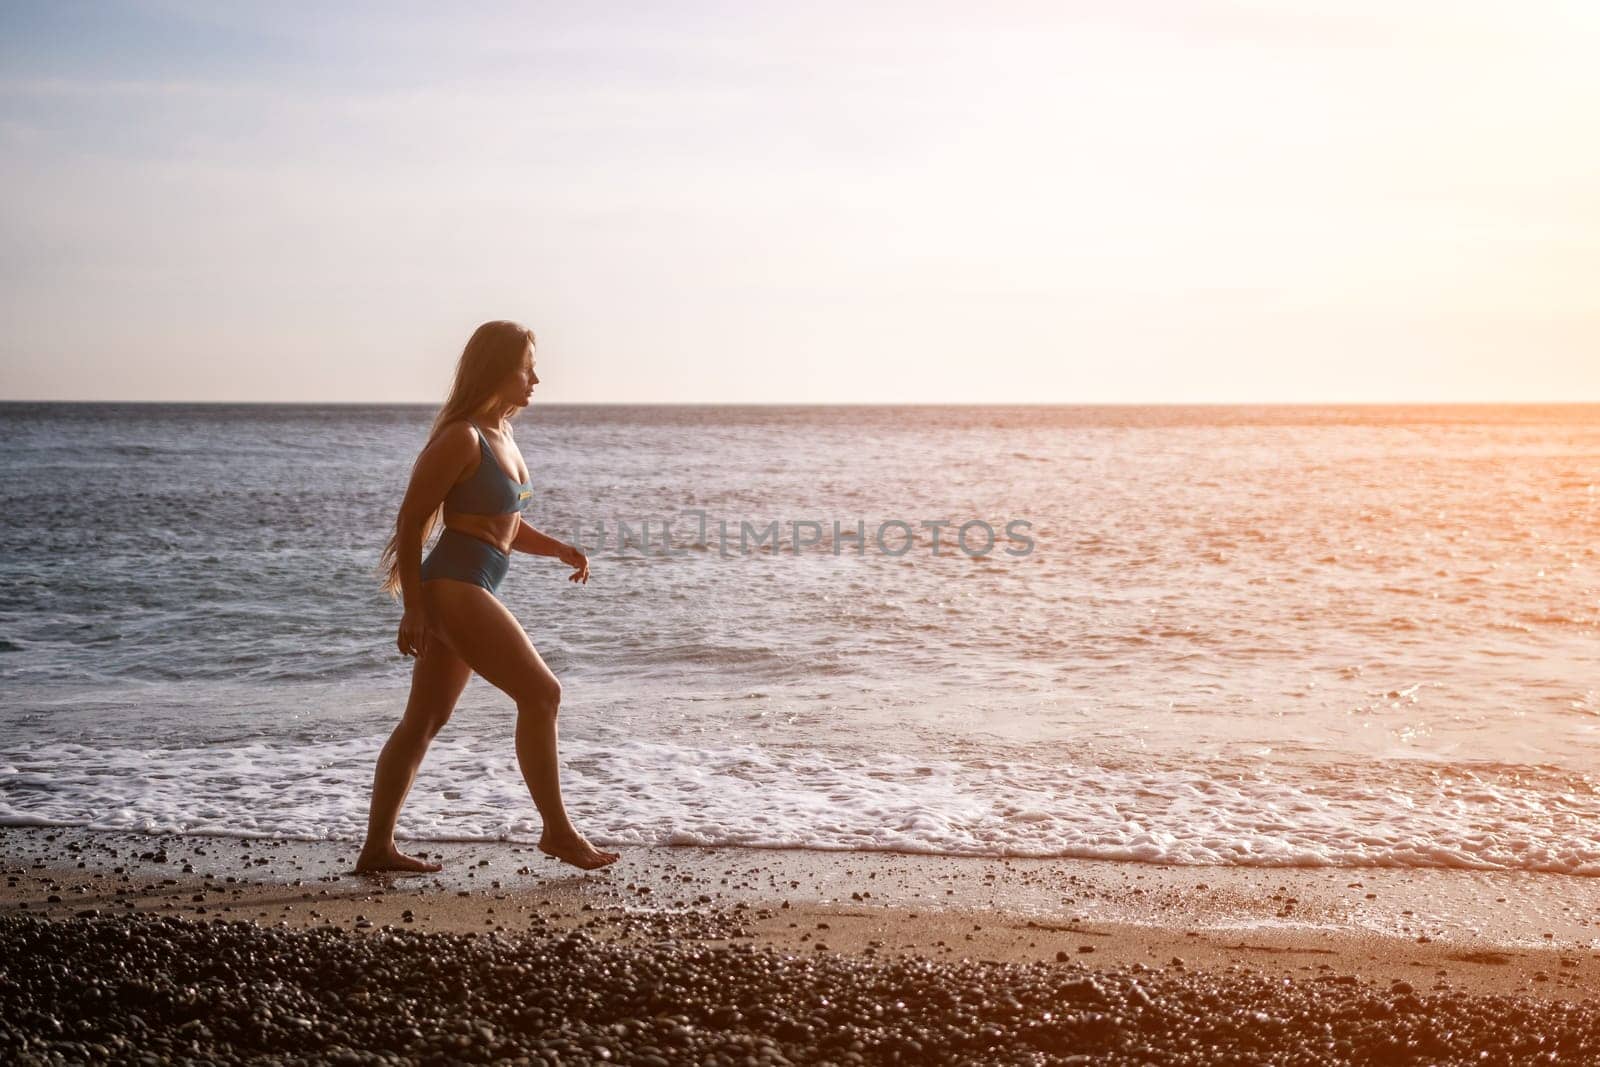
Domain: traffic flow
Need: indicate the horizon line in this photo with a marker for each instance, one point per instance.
(845, 403)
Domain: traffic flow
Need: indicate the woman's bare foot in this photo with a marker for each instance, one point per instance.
(392, 859)
(576, 850)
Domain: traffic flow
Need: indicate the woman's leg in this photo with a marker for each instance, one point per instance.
(492, 642)
(437, 678)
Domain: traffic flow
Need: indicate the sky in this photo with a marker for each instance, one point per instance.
(1127, 201)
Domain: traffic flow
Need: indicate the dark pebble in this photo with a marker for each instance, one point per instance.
(135, 989)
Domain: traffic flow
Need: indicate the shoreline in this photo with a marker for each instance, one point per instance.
(123, 946)
(1461, 931)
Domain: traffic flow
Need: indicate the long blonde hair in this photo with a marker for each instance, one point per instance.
(492, 353)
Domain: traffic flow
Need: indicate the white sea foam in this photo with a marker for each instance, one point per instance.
(649, 793)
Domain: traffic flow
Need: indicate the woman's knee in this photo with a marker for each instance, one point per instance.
(425, 725)
(433, 724)
(543, 701)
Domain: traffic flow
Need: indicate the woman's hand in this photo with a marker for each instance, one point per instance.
(413, 636)
(577, 561)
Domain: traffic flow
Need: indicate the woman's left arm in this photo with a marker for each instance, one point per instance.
(534, 543)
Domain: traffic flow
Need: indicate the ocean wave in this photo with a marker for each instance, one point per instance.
(1483, 817)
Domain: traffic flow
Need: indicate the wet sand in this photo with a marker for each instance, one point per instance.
(1287, 964)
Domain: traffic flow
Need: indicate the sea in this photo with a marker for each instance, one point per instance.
(1270, 636)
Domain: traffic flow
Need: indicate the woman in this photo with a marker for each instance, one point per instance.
(453, 622)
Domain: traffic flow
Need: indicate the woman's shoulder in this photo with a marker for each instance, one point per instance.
(455, 436)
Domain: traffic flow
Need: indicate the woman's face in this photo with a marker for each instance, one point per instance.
(519, 388)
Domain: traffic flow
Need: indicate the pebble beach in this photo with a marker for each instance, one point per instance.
(137, 949)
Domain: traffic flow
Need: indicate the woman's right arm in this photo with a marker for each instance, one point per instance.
(438, 467)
